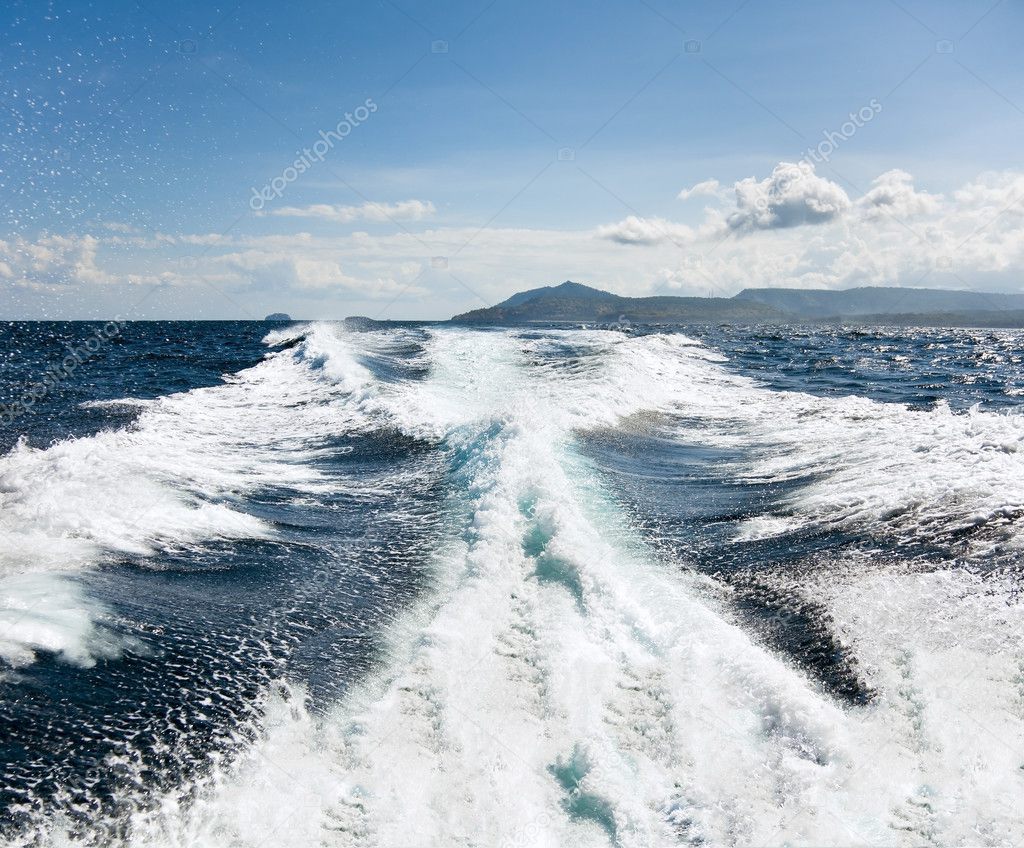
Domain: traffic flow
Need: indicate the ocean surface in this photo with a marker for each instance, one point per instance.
(322, 585)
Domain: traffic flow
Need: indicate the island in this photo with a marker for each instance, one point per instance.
(577, 303)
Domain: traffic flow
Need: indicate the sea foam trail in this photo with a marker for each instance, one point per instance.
(177, 478)
(562, 687)
(910, 475)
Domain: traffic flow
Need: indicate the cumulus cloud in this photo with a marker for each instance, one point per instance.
(310, 272)
(793, 195)
(52, 260)
(708, 188)
(1002, 191)
(404, 210)
(801, 230)
(893, 193)
(634, 230)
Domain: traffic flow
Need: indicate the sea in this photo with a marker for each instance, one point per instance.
(416, 585)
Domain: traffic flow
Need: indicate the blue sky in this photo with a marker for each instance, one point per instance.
(135, 134)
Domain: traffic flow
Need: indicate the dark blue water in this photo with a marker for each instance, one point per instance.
(141, 359)
(918, 367)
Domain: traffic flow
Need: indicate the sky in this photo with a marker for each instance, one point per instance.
(412, 160)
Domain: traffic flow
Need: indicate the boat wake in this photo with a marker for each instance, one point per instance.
(564, 677)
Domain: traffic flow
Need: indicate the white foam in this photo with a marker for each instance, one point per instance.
(130, 403)
(763, 527)
(877, 467)
(42, 612)
(178, 476)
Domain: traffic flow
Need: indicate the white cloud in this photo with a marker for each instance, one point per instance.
(53, 260)
(993, 191)
(895, 234)
(404, 210)
(634, 230)
(791, 196)
(893, 193)
(310, 272)
(708, 188)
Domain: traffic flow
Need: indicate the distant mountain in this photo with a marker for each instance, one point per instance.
(278, 316)
(880, 301)
(568, 289)
(575, 302)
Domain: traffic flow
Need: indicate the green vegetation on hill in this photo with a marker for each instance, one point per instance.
(574, 302)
